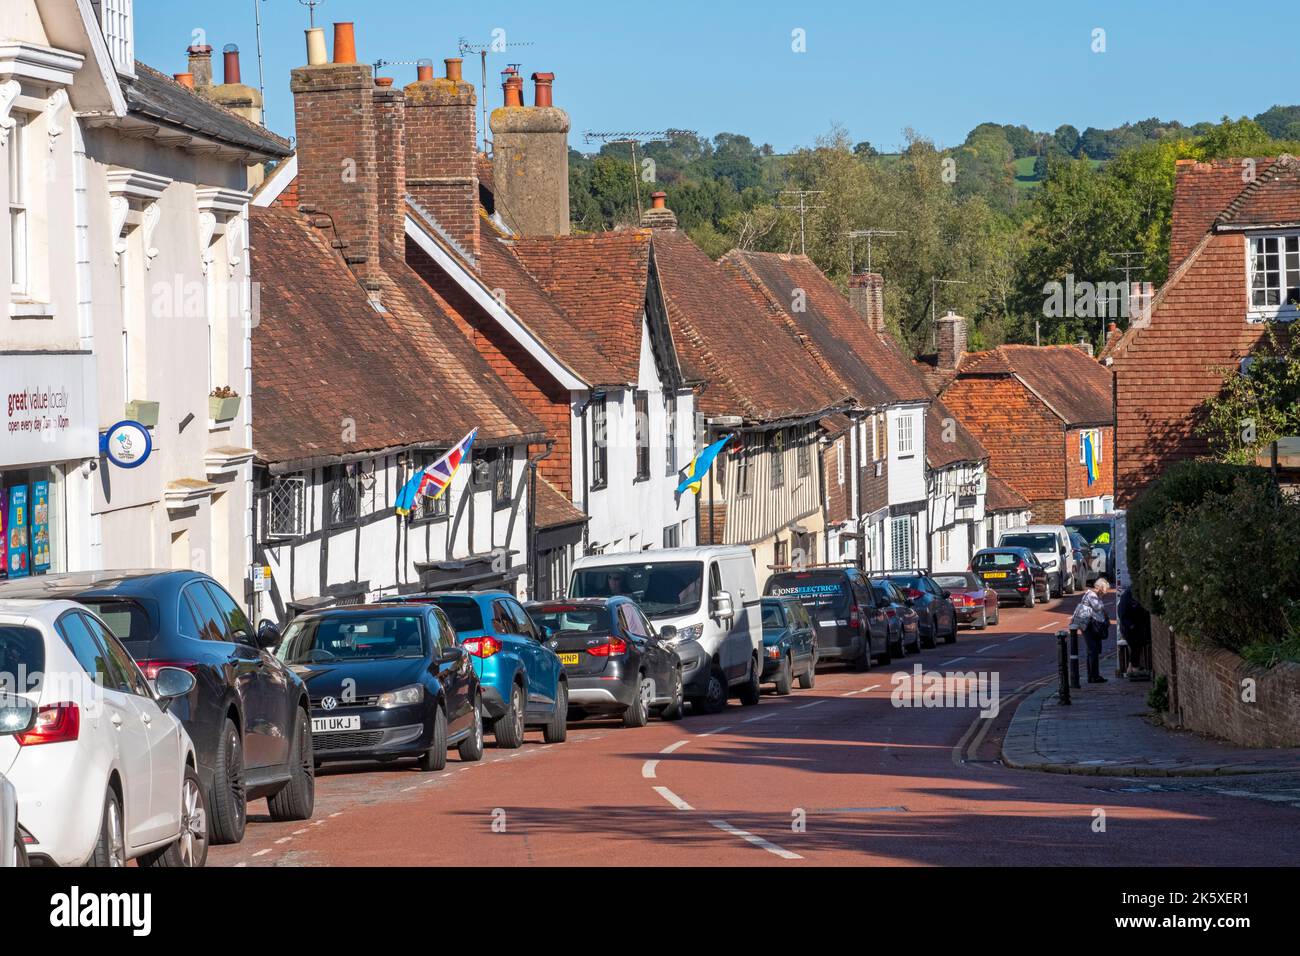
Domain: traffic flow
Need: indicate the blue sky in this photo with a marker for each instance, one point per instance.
(939, 67)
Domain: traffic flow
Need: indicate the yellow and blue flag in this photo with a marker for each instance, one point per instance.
(1090, 457)
(693, 474)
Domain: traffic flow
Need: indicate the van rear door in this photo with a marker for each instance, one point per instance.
(747, 624)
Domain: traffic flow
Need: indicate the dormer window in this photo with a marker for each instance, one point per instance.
(119, 33)
(1274, 276)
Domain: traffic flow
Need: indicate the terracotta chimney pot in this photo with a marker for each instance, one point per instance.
(184, 79)
(453, 68)
(514, 90)
(659, 200)
(345, 43)
(423, 71)
(384, 81)
(230, 63)
(542, 88)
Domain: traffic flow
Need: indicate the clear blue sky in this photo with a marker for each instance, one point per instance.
(939, 66)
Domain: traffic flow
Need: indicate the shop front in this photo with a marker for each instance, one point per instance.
(49, 441)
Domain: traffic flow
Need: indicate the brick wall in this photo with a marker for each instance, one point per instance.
(440, 152)
(1048, 511)
(337, 156)
(1076, 473)
(390, 143)
(1205, 693)
(838, 455)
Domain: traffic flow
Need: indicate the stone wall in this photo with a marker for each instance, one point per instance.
(1206, 690)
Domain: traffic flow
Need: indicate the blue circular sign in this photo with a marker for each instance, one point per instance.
(127, 444)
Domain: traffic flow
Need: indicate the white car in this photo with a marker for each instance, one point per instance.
(1051, 545)
(12, 851)
(103, 773)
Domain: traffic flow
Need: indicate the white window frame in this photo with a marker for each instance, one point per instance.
(906, 445)
(839, 460)
(1096, 434)
(19, 217)
(1288, 272)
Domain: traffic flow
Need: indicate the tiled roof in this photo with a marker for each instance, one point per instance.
(1271, 199)
(751, 361)
(1073, 384)
(336, 377)
(1202, 191)
(553, 509)
(939, 451)
(1000, 496)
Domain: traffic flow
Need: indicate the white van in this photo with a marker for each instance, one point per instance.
(1051, 545)
(705, 602)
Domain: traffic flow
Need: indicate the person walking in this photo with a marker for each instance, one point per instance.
(1135, 627)
(1097, 627)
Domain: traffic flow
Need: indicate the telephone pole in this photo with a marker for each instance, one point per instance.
(804, 208)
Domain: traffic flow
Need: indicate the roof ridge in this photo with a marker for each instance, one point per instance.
(1281, 161)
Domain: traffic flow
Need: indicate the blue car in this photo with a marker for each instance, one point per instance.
(789, 644)
(523, 683)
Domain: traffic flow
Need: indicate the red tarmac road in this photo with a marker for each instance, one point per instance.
(829, 776)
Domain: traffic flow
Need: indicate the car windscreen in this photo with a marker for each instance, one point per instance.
(353, 637)
(661, 588)
(814, 589)
(907, 583)
(1039, 543)
(464, 613)
(957, 582)
(772, 616)
(991, 560)
(584, 619)
(134, 622)
(1094, 532)
(22, 659)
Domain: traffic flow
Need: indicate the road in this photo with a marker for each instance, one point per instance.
(829, 776)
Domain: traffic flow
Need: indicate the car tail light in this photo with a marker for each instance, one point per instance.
(481, 646)
(855, 617)
(913, 593)
(55, 723)
(1022, 566)
(611, 648)
(152, 667)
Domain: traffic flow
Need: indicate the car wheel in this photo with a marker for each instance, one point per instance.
(714, 700)
(508, 729)
(191, 849)
(785, 676)
(1032, 597)
(863, 661)
(471, 748)
(297, 798)
(886, 657)
(751, 689)
(928, 639)
(808, 679)
(110, 846)
(896, 648)
(638, 712)
(984, 620)
(675, 707)
(556, 730)
(951, 636)
(435, 758)
(916, 644)
(227, 804)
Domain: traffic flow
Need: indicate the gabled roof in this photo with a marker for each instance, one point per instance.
(1202, 191)
(404, 376)
(751, 360)
(1272, 199)
(553, 509)
(1000, 496)
(939, 452)
(1073, 385)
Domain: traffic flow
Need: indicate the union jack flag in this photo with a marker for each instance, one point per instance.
(432, 481)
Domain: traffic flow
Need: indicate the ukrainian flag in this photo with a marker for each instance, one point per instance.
(693, 474)
(1089, 457)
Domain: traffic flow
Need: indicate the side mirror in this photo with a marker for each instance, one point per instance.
(17, 715)
(172, 682)
(452, 655)
(546, 632)
(722, 606)
(268, 634)
(668, 633)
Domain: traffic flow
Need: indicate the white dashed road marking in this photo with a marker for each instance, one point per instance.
(813, 704)
(672, 798)
(677, 746)
(648, 769)
(758, 841)
(953, 661)
(710, 733)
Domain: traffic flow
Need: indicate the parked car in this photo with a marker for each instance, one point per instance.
(386, 681)
(615, 661)
(850, 626)
(522, 681)
(708, 595)
(1100, 531)
(1013, 573)
(789, 644)
(931, 602)
(247, 712)
(104, 772)
(975, 602)
(1089, 562)
(904, 622)
(1051, 545)
(16, 714)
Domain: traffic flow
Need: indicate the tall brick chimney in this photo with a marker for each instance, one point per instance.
(659, 216)
(233, 93)
(390, 142)
(951, 339)
(867, 296)
(440, 152)
(200, 59)
(337, 160)
(530, 162)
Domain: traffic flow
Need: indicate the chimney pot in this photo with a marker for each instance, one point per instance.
(345, 43)
(659, 200)
(514, 90)
(542, 88)
(384, 81)
(184, 79)
(453, 68)
(316, 55)
(423, 71)
(230, 63)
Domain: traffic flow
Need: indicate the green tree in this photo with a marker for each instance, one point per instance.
(1257, 405)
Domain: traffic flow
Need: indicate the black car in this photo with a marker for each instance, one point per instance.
(850, 626)
(1014, 573)
(930, 601)
(614, 660)
(904, 622)
(789, 644)
(386, 681)
(247, 714)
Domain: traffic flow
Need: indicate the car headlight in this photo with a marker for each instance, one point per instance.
(403, 696)
(1049, 564)
(687, 634)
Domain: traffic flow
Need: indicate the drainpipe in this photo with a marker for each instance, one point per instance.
(586, 478)
(532, 519)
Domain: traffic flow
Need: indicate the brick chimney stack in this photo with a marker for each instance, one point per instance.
(440, 151)
(390, 143)
(337, 152)
(951, 339)
(1084, 345)
(200, 60)
(867, 296)
(530, 160)
(233, 93)
(658, 216)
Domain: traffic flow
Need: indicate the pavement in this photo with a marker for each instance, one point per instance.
(1108, 730)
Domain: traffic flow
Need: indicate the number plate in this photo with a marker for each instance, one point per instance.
(995, 574)
(570, 658)
(327, 725)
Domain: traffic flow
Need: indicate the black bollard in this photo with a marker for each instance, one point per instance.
(1063, 668)
(1074, 657)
